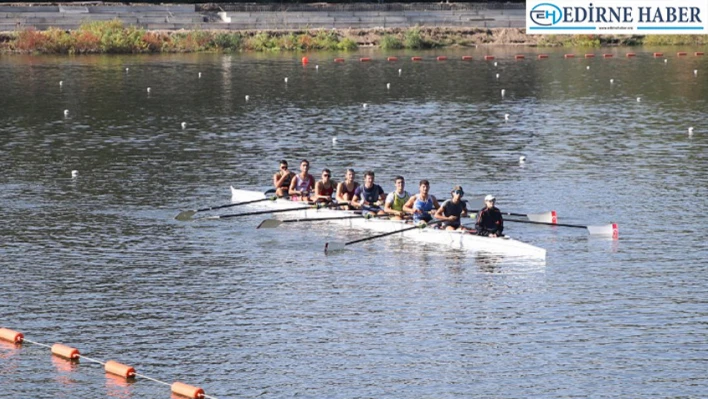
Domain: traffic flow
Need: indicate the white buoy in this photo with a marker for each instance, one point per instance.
(200, 75)
(587, 67)
(665, 60)
(184, 125)
(388, 86)
(495, 63)
(317, 67)
(61, 83)
(690, 131)
(506, 117)
(612, 81)
(364, 105)
(148, 90)
(127, 69)
(503, 92)
(522, 159)
(695, 72)
(286, 80)
(247, 97)
(497, 76)
(639, 99)
(400, 71)
(334, 140)
(66, 112)
(74, 174)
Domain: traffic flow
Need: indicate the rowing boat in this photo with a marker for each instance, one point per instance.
(456, 239)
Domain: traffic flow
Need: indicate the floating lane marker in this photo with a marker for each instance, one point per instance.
(569, 56)
(392, 59)
(489, 58)
(681, 53)
(606, 55)
(66, 352)
(631, 55)
(339, 60)
(442, 58)
(189, 391)
(74, 174)
(658, 55)
(589, 55)
(11, 336)
(519, 57)
(466, 58)
(364, 59)
(699, 53)
(542, 56)
(416, 58)
(119, 369)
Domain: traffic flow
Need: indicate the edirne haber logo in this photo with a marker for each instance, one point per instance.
(617, 17)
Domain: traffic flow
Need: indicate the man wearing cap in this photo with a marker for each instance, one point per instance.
(489, 220)
(452, 210)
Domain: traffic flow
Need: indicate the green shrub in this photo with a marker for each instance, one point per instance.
(413, 39)
(227, 42)
(347, 44)
(389, 42)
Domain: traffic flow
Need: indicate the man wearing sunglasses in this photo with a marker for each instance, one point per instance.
(324, 188)
(282, 178)
(489, 220)
(452, 210)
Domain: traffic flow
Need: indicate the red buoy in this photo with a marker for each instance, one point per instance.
(339, 60)
(466, 58)
(697, 53)
(364, 59)
(66, 352)
(607, 55)
(189, 391)
(658, 54)
(305, 60)
(11, 336)
(681, 53)
(392, 59)
(119, 369)
(488, 57)
(589, 55)
(519, 57)
(569, 56)
(442, 58)
(542, 56)
(416, 58)
(631, 55)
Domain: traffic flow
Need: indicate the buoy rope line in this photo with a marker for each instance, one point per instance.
(112, 367)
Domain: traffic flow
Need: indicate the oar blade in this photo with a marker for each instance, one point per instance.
(269, 224)
(334, 246)
(185, 216)
(604, 230)
(547, 217)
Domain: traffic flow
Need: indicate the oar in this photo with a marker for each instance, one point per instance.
(600, 230)
(234, 215)
(273, 223)
(185, 216)
(338, 246)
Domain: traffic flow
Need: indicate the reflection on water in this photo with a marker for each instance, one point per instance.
(98, 262)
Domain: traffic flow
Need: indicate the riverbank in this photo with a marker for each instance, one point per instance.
(114, 37)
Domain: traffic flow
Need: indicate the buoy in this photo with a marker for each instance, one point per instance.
(466, 58)
(519, 57)
(364, 59)
(127, 69)
(639, 99)
(569, 56)
(61, 83)
(416, 58)
(658, 54)
(339, 60)
(364, 105)
(317, 67)
(286, 80)
(400, 71)
(522, 159)
(497, 76)
(612, 81)
(690, 131)
(11, 336)
(184, 125)
(506, 117)
(665, 60)
(392, 59)
(699, 53)
(589, 55)
(388, 86)
(200, 75)
(503, 92)
(587, 67)
(66, 112)
(442, 58)
(122, 370)
(542, 56)
(148, 90)
(334, 140)
(74, 174)
(695, 72)
(631, 55)
(681, 53)
(489, 58)
(66, 352)
(495, 63)
(305, 60)
(189, 391)
(608, 55)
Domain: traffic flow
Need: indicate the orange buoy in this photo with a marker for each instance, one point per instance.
(697, 53)
(416, 58)
(569, 56)
(442, 58)
(658, 54)
(392, 59)
(519, 57)
(488, 57)
(466, 58)
(681, 53)
(65, 351)
(189, 391)
(339, 60)
(12, 336)
(364, 59)
(631, 55)
(589, 55)
(542, 56)
(305, 60)
(607, 55)
(119, 369)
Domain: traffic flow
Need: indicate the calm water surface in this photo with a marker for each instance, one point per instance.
(98, 262)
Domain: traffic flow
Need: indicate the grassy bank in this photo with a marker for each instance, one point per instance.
(114, 37)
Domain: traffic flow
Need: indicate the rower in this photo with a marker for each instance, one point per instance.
(303, 183)
(370, 196)
(421, 204)
(282, 178)
(396, 199)
(452, 210)
(346, 189)
(324, 188)
(489, 219)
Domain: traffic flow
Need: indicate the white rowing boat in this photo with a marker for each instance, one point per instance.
(456, 239)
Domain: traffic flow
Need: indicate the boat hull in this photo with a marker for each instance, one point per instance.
(455, 239)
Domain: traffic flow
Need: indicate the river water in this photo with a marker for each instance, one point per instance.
(99, 263)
